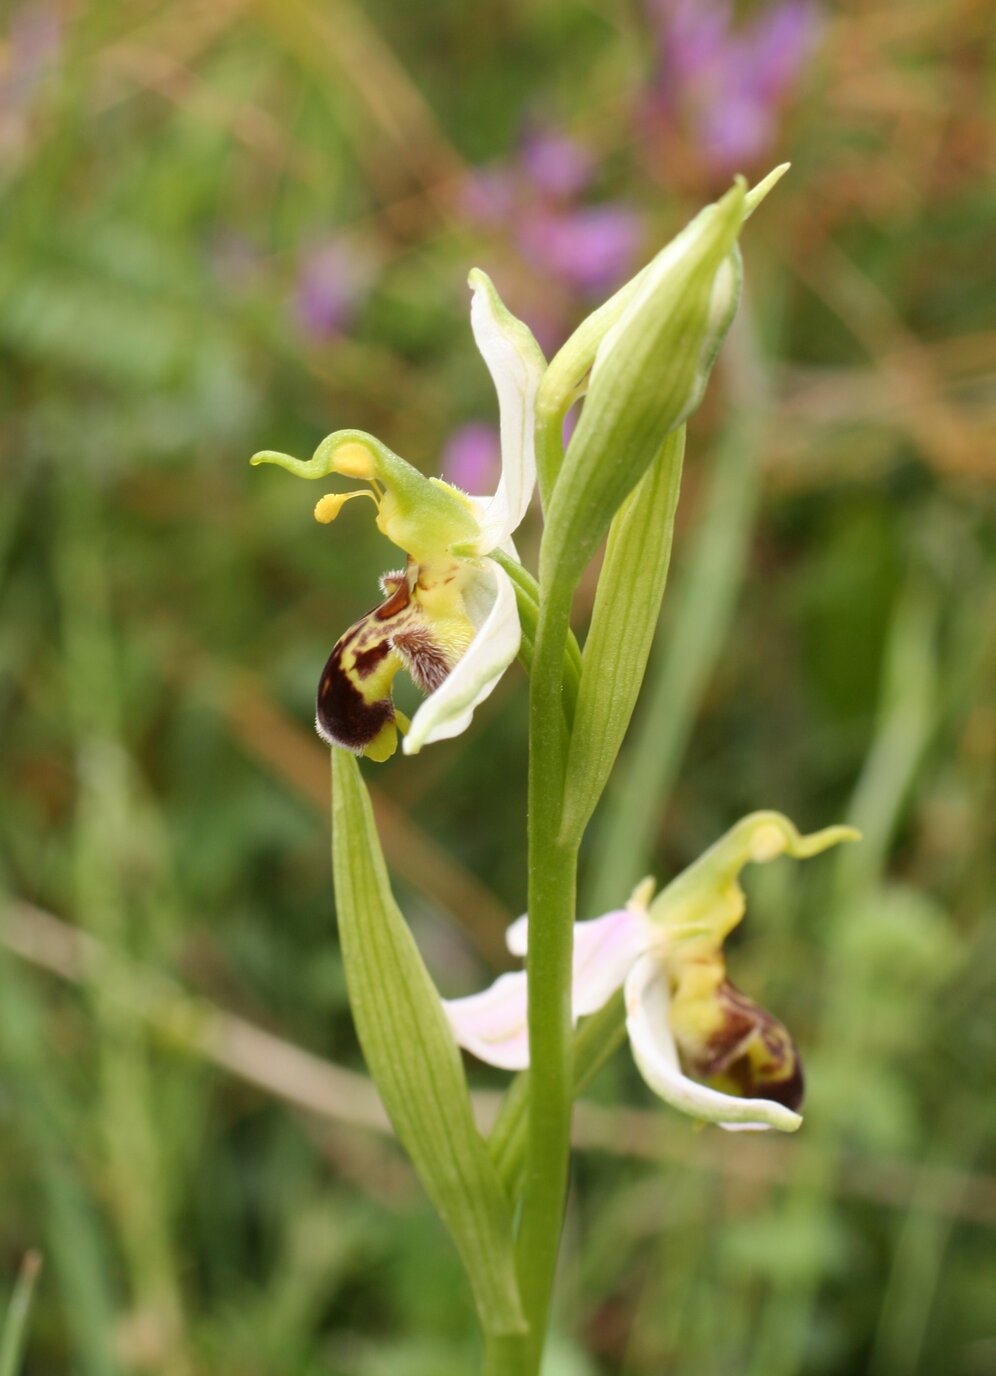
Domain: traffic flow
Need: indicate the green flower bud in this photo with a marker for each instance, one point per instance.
(643, 359)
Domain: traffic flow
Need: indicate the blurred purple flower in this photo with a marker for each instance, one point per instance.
(592, 247)
(692, 33)
(585, 249)
(471, 457)
(34, 38)
(556, 164)
(489, 194)
(330, 284)
(784, 38)
(32, 48)
(726, 87)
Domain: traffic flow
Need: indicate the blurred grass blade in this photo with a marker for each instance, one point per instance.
(49, 1120)
(907, 715)
(413, 1058)
(15, 1329)
(627, 606)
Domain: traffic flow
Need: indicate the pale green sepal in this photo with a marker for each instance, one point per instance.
(413, 1059)
(421, 515)
(649, 373)
(758, 193)
(623, 622)
(706, 899)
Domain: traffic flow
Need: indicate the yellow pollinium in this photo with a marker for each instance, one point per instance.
(327, 508)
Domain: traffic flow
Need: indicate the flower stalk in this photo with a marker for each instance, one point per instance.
(552, 882)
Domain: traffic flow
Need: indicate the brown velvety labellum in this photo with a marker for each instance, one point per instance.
(343, 716)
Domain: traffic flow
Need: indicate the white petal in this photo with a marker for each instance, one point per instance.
(647, 1009)
(480, 505)
(517, 936)
(516, 364)
(492, 1024)
(489, 599)
(604, 951)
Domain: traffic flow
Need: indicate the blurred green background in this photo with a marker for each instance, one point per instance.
(236, 224)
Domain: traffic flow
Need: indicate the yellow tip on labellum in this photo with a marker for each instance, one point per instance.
(327, 508)
(383, 745)
(355, 460)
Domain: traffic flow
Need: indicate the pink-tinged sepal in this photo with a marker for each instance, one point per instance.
(702, 1045)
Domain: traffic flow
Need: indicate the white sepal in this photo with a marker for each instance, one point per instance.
(604, 951)
(492, 1025)
(516, 364)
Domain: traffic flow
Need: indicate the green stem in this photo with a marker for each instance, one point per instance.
(596, 1040)
(551, 902)
(550, 413)
(504, 1355)
(527, 597)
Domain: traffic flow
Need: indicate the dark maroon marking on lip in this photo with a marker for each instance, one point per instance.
(787, 1088)
(789, 1091)
(343, 717)
(366, 661)
(746, 1024)
(397, 602)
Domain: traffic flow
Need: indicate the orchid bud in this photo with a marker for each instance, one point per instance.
(643, 361)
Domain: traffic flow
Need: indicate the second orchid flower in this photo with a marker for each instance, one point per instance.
(702, 1045)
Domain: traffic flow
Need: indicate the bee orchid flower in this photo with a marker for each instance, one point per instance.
(702, 1045)
(449, 617)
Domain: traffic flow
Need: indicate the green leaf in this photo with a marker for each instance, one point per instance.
(624, 619)
(411, 1054)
